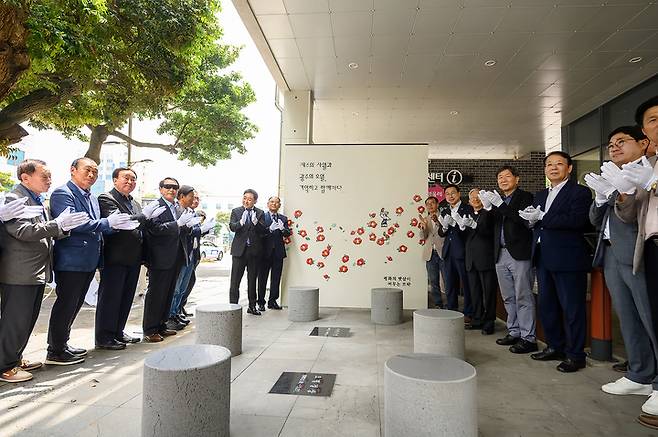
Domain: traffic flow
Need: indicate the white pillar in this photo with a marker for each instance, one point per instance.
(296, 124)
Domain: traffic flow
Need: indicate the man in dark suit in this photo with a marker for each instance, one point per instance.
(248, 223)
(453, 250)
(480, 265)
(26, 266)
(122, 261)
(512, 252)
(274, 252)
(559, 218)
(166, 253)
(77, 257)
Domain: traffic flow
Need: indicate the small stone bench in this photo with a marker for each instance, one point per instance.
(303, 304)
(221, 325)
(439, 332)
(187, 391)
(386, 306)
(427, 395)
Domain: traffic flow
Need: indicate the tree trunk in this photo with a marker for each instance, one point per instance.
(98, 136)
(14, 59)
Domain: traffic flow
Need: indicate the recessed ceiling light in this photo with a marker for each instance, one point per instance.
(353, 65)
(490, 63)
(454, 112)
(635, 60)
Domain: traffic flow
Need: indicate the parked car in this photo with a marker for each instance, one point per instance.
(210, 250)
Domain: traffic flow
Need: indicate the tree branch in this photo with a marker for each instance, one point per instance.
(171, 148)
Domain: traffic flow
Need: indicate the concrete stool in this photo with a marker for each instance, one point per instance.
(429, 395)
(220, 324)
(439, 332)
(303, 304)
(187, 391)
(386, 306)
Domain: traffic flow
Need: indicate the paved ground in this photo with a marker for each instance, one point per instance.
(102, 397)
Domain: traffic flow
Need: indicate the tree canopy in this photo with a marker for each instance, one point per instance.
(94, 63)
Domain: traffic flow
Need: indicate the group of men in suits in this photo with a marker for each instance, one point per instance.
(72, 238)
(257, 247)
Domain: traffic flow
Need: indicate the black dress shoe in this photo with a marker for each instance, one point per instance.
(487, 331)
(112, 345)
(64, 358)
(76, 351)
(523, 347)
(548, 354)
(261, 307)
(274, 306)
(570, 366)
(125, 338)
(181, 319)
(508, 340)
(174, 325)
(620, 367)
(253, 310)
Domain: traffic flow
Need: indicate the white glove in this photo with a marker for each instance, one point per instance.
(153, 210)
(274, 226)
(243, 219)
(254, 220)
(447, 221)
(612, 174)
(458, 219)
(118, 219)
(279, 223)
(13, 209)
(601, 187)
(532, 214)
(495, 198)
(193, 221)
(68, 220)
(185, 217)
(640, 174)
(208, 225)
(127, 225)
(31, 211)
(470, 222)
(484, 198)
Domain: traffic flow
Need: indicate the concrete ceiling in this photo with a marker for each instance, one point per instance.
(421, 73)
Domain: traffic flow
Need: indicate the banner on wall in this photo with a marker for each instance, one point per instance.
(353, 211)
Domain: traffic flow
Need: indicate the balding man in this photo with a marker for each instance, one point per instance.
(273, 254)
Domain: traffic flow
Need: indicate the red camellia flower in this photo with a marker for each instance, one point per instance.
(325, 253)
(352, 232)
(410, 234)
(286, 240)
(326, 277)
(360, 231)
(303, 247)
(372, 237)
(290, 222)
(399, 210)
(319, 238)
(360, 262)
(357, 240)
(402, 248)
(320, 265)
(302, 233)
(421, 242)
(421, 209)
(390, 231)
(309, 261)
(372, 215)
(342, 269)
(417, 198)
(381, 241)
(372, 224)
(298, 214)
(319, 229)
(414, 222)
(346, 258)
(397, 225)
(390, 258)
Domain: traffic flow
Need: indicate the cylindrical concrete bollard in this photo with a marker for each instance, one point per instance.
(220, 324)
(187, 391)
(303, 304)
(386, 306)
(429, 395)
(439, 332)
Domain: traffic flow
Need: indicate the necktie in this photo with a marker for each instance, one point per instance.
(92, 213)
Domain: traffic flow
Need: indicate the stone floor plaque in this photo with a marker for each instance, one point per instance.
(330, 332)
(305, 384)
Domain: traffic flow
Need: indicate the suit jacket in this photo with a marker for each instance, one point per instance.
(82, 251)
(251, 232)
(123, 248)
(433, 237)
(633, 209)
(480, 242)
(561, 231)
(273, 246)
(26, 257)
(455, 238)
(164, 239)
(518, 236)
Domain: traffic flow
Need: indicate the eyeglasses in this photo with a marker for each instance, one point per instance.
(170, 186)
(619, 143)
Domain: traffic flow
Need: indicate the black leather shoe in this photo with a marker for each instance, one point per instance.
(620, 367)
(64, 358)
(181, 319)
(548, 354)
(570, 366)
(487, 331)
(274, 306)
(261, 307)
(112, 345)
(508, 340)
(125, 338)
(523, 347)
(174, 325)
(76, 351)
(253, 310)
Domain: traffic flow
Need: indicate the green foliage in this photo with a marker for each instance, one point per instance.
(6, 182)
(221, 219)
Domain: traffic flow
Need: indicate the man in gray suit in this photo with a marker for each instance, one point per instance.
(614, 251)
(26, 266)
